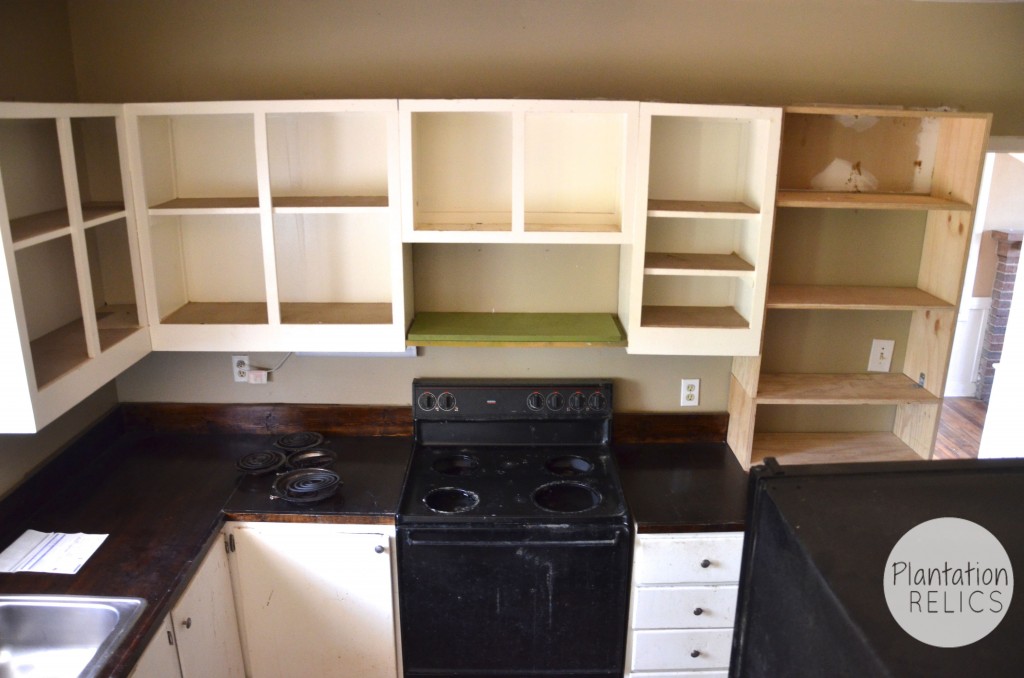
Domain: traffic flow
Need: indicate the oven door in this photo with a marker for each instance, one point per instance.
(480, 600)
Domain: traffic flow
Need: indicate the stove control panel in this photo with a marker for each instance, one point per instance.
(477, 400)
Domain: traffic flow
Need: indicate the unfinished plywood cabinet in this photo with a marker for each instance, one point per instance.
(72, 311)
(875, 209)
(547, 185)
(270, 225)
(698, 266)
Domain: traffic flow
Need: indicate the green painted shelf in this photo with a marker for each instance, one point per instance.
(516, 329)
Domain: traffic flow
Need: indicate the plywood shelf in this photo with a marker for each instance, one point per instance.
(189, 206)
(855, 298)
(515, 329)
(37, 228)
(875, 201)
(697, 317)
(688, 263)
(329, 204)
(58, 352)
(218, 313)
(840, 389)
(707, 209)
(96, 213)
(335, 313)
(830, 448)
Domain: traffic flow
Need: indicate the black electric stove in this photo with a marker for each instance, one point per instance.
(514, 538)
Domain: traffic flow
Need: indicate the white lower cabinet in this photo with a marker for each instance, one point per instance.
(683, 604)
(199, 638)
(315, 599)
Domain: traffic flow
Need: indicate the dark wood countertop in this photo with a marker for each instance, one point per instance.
(162, 492)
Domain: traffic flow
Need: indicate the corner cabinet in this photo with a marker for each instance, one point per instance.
(270, 226)
(875, 210)
(705, 205)
(315, 599)
(72, 310)
(518, 213)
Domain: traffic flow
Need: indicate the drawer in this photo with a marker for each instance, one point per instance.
(675, 649)
(676, 607)
(678, 674)
(688, 559)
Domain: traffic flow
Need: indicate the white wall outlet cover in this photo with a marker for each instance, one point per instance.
(881, 355)
(240, 368)
(690, 393)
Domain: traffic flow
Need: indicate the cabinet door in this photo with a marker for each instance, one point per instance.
(315, 600)
(160, 658)
(205, 624)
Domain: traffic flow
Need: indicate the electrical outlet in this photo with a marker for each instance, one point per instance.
(881, 355)
(240, 368)
(690, 396)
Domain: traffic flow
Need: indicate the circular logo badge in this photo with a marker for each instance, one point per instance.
(948, 582)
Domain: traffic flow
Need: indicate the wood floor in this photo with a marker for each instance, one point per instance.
(960, 427)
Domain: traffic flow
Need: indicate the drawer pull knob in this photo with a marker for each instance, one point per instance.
(705, 563)
(699, 611)
(187, 623)
(695, 654)
(378, 549)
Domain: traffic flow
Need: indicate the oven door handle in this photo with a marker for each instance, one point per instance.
(412, 541)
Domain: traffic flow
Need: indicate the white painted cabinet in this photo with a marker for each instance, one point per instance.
(683, 604)
(199, 638)
(72, 313)
(270, 225)
(705, 204)
(315, 599)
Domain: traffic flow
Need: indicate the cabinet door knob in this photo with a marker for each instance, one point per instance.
(695, 654)
(378, 549)
(699, 611)
(705, 563)
(187, 623)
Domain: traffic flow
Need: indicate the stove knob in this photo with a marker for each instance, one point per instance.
(535, 401)
(597, 401)
(446, 401)
(427, 401)
(577, 401)
(556, 401)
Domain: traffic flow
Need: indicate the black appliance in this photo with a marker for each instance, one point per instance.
(514, 540)
(811, 598)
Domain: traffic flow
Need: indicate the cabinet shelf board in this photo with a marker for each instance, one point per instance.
(219, 313)
(187, 206)
(840, 389)
(699, 208)
(59, 352)
(535, 227)
(96, 213)
(515, 329)
(329, 204)
(876, 201)
(828, 448)
(709, 317)
(335, 313)
(687, 263)
(38, 228)
(853, 298)
(465, 227)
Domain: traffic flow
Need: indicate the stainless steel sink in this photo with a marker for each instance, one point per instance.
(61, 636)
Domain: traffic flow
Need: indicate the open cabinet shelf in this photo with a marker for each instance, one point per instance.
(871, 236)
(516, 329)
(705, 196)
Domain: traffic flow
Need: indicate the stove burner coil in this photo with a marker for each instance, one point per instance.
(305, 486)
(569, 466)
(301, 440)
(451, 500)
(311, 459)
(457, 465)
(258, 463)
(566, 497)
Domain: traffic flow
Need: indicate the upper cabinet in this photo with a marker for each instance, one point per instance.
(518, 212)
(704, 211)
(71, 302)
(875, 211)
(270, 225)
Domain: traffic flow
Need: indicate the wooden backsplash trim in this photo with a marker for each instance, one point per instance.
(382, 420)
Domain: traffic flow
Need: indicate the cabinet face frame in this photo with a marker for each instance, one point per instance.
(263, 319)
(38, 397)
(707, 297)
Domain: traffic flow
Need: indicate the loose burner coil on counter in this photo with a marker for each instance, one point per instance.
(260, 463)
(313, 458)
(299, 441)
(305, 485)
